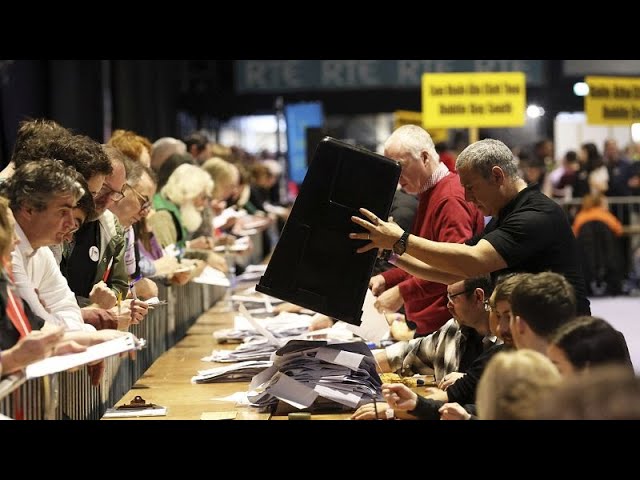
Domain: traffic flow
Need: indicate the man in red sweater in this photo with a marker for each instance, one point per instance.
(443, 215)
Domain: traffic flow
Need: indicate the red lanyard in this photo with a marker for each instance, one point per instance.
(15, 310)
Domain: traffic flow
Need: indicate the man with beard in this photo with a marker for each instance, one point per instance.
(178, 214)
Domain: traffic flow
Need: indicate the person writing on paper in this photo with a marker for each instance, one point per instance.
(102, 242)
(226, 181)
(85, 262)
(134, 206)
(25, 337)
(443, 215)
(179, 206)
(101, 296)
(528, 232)
(20, 341)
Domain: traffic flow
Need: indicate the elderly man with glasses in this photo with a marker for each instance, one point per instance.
(135, 206)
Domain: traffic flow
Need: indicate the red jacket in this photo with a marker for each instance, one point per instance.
(443, 215)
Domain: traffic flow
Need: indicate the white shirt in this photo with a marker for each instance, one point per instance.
(37, 269)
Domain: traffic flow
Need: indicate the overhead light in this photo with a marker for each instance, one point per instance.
(534, 111)
(581, 89)
(635, 132)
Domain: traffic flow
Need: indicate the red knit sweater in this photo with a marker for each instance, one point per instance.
(443, 215)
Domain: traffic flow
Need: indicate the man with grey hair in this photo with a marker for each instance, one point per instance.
(42, 195)
(163, 148)
(443, 215)
(529, 232)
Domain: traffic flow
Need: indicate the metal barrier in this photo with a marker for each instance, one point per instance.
(70, 395)
(626, 209)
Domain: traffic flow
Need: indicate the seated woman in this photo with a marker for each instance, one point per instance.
(586, 342)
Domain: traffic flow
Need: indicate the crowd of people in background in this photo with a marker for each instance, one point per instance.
(492, 277)
(84, 226)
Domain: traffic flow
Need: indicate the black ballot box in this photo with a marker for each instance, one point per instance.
(315, 264)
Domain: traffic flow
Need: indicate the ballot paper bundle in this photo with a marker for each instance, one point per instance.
(317, 376)
(255, 348)
(239, 372)
(283, 325)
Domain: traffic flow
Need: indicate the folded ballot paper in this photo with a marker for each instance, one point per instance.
(60, 363)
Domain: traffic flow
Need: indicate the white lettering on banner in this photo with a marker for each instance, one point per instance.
(264, 74)
(410, 71)
(349, 73)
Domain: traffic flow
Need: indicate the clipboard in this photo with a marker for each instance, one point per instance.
(138, 407)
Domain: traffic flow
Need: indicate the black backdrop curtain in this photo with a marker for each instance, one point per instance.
(90, 96)
(145, 96)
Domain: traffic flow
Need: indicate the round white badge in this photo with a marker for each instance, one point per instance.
(94, 253)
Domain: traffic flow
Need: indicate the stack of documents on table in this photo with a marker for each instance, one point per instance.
(257, 348)
(318, 376)
(285, 324)
(240, 372)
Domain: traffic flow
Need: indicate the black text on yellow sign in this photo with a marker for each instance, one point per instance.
(613, 100)
(461, 100)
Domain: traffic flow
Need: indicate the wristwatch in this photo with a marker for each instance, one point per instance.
(401, 245)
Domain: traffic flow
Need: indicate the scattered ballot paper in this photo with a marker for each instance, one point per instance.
(374, 326)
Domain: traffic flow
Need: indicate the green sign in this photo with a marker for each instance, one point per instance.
(276, 76)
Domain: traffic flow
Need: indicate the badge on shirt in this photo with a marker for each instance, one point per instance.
(94, 253)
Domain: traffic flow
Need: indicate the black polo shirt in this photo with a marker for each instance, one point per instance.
(532, 234)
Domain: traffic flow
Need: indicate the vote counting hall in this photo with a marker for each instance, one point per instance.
(464, 247)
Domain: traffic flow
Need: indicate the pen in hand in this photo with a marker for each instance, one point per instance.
(119, 303)
(107, 271)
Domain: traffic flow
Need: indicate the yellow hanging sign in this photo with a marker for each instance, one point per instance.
(612, 100)
(463, 100)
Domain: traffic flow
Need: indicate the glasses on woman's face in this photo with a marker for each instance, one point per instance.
(145, 202)
(114, 195)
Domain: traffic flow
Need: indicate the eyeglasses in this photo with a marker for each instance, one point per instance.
(114, 195)
(145, 202)
(450, 297)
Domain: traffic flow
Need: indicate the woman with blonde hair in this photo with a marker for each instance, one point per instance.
(513, 384)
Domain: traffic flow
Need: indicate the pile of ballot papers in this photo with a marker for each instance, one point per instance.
(318, 376)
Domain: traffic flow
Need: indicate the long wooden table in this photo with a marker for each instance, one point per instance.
(167, 381)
